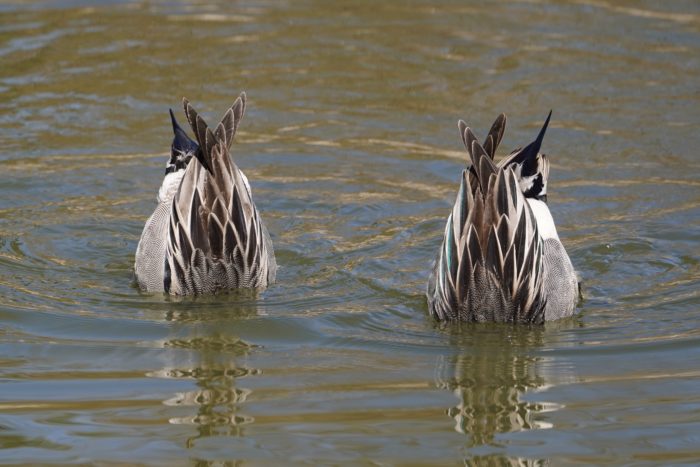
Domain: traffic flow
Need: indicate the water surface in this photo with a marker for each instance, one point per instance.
(351, 145)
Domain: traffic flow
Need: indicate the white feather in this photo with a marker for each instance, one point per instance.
(171, 182)
(545, 222)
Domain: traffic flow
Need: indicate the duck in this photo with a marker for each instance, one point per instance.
(206, 234)
(501, 259)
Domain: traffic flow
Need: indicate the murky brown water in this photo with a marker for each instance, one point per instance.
(351, 146)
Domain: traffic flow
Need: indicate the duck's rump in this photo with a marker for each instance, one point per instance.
(485, 297)
(216, 238)
(206, 235)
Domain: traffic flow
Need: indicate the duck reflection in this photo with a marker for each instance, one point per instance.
(206, 348)
(493, 366)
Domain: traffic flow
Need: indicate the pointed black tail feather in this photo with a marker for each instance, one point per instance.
(528, 155)
(181, 141)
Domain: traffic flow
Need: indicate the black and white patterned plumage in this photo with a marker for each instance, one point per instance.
(501, 259)
(182, 150)
(206, 234)
(531, 166)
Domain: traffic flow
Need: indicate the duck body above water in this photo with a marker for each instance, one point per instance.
(206, 234)
(501, 259)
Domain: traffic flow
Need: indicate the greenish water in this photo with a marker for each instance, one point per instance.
(351, 146)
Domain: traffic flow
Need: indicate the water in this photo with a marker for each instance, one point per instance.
(351, 146)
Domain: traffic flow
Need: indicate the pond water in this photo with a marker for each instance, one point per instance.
(351, 146)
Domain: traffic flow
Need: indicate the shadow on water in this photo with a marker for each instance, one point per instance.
(490, 371)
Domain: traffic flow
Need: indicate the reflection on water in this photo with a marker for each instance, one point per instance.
(488, 378)
(495, 372)
(213, 406)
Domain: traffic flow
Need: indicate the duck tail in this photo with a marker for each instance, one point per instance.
(532, 167)
(493, 139)
(489, 267)
(224, 133)
(213, 210)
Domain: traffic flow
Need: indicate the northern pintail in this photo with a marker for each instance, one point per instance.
(206, 234)
(501, 259)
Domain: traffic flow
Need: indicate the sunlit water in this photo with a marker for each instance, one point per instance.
(351, 145)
